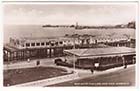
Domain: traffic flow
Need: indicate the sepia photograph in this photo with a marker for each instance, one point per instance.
(69, 44)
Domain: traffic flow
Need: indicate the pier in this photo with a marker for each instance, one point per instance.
(37, 48)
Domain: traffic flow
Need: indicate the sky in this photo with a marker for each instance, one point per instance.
(84, 14)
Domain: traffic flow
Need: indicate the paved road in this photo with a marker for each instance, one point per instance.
(32, 63)
(123, 77)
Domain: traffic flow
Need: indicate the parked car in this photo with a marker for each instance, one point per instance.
(57, 61)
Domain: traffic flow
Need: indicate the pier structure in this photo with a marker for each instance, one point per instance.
(47, 47)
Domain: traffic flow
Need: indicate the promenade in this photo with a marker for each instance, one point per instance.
(77, 73)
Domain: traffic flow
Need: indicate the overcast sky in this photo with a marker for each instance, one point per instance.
(69, 14)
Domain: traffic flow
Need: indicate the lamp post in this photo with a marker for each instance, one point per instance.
(74, 58)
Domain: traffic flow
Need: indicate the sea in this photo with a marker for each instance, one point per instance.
(17, 31)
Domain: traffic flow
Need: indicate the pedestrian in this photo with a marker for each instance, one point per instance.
(92, 70)
(125, 65)
(37, 63)
(65, 60)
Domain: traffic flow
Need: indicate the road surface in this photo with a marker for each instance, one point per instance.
(123, 77)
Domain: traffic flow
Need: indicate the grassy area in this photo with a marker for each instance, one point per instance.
(18, 76)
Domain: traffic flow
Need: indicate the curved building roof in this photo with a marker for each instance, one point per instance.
(101, 51)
